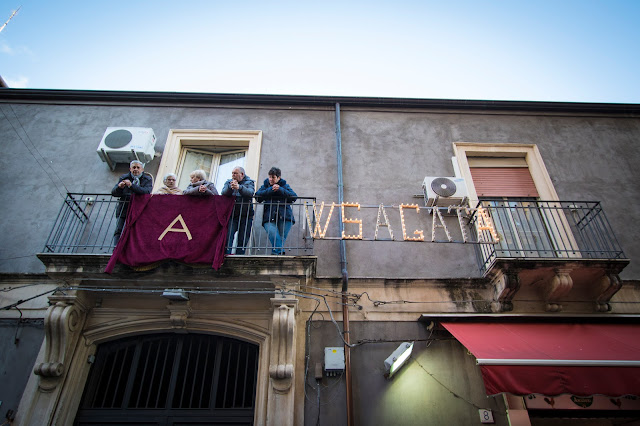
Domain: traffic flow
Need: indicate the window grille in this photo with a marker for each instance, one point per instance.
(170, 379)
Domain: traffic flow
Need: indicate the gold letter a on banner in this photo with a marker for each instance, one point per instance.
(171, 229)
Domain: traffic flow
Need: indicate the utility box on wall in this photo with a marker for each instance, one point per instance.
(125, 144)
(333, 361)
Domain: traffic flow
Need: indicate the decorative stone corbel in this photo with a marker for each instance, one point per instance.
(556, 288)
(505, 286)
(179, 312)
(604, 289)
(63, 322)
(281, 366)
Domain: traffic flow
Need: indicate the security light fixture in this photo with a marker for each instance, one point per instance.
(393, 363)
(175, 294)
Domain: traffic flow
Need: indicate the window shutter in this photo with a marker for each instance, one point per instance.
(503, 182)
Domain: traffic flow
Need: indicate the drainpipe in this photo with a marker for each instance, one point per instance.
(345, 278)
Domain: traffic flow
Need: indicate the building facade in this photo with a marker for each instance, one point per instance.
(530, 231)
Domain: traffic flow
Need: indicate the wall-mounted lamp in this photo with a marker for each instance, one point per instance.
(393, 363)
(175, 294)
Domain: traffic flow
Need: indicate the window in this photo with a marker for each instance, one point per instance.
(507, 156)
(217, 166)
(216, 152)
(513, 183)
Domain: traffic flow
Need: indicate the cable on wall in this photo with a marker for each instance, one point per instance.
(38, 161)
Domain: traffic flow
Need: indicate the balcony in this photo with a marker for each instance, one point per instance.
(81, 242)
(555, 247)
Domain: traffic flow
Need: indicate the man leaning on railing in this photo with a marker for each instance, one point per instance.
(277, 216)
(134, 182)
(242, 188)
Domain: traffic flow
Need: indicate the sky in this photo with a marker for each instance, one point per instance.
(537, 50)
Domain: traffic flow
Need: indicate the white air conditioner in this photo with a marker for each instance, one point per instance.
(125, 144)
(444, 191)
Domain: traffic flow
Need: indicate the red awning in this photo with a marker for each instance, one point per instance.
(554, 359)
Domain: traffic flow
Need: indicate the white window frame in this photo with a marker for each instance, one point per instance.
(178, 140)
(530, 152)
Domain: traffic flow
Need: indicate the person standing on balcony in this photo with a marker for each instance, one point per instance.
(241, 187)
(170, 185)
(277, 216)
(199, 185)
(134, 182)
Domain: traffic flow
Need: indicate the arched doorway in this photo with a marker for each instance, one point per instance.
(171, 379)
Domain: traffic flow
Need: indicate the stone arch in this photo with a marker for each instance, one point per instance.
(273, 330)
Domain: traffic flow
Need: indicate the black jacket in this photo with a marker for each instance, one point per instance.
(145, 186)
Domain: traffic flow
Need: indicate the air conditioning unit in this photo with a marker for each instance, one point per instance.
(444, 191)
(125, 144)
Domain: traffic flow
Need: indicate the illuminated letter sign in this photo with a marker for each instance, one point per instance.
(345, 220)
(386, 223)
(486, 224)
(419, 233)
(463, 229)
(318, 232)
(434, 225)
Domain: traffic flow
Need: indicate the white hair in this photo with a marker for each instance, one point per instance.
(164, 179)
(200, 174)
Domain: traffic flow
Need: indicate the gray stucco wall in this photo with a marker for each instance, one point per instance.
(440, 384)
(49, 149)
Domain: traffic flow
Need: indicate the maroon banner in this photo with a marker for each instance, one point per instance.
(174, 227)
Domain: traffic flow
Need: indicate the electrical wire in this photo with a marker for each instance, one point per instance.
(318, 403)
(444, 386)
(8, 289)
(16, 257)
(308, 351)
(20, 302)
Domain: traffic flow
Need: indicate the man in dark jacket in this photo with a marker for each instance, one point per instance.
(134, 182)
(241, 187)
(277, 216)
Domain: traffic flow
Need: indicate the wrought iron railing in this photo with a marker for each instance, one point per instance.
(86, 224)
(533, 229)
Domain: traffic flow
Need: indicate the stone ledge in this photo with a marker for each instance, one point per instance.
(237, 271)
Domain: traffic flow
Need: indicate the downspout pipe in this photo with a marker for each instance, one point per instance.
(343, 246)
(345, 278)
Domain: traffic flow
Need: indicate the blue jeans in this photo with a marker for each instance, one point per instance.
(243, 226)
(277, 233)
